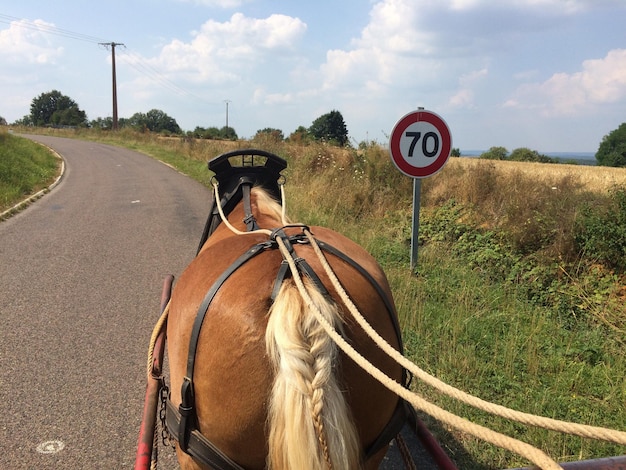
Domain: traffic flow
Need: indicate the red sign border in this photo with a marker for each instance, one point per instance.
(396, 135)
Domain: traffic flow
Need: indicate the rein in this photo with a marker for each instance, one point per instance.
(182, 423)
(523, 449)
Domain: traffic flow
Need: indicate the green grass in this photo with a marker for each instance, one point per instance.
(484, 338)
(25, 168)
(511, 300)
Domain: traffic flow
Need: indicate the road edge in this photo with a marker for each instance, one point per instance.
(20, 206)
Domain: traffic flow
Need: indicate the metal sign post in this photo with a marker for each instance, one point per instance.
(420, 146)
(417, 194)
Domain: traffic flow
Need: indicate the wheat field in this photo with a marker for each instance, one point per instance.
(592, 178)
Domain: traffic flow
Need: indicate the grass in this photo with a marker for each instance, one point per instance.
(509, 301)
(25, 168)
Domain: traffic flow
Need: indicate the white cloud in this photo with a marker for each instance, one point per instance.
(225, 4)
(392, 48)
(219, 50)
(219, 55)
(464, 97)
(556, 6)
(24, 42)
(601, 81)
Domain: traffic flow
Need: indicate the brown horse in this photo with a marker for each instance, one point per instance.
(270, 388)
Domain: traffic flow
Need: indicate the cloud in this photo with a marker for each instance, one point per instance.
(601, 81)
(553, 6)
(222, 52)
(464, 97)
(24, 43)
(224, 4)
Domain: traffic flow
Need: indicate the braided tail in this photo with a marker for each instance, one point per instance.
(310, 424)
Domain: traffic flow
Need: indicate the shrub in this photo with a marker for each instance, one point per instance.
(600, 231)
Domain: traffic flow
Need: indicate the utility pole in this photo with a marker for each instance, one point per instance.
(113, 44)
(227, 101)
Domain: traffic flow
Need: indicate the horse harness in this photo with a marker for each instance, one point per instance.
(181, 422)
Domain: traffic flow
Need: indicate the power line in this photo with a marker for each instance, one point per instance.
(49, 29)
(134, 60)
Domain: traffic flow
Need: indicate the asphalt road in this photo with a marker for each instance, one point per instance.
(81, 272)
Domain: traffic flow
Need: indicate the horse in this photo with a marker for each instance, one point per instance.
(267, 387)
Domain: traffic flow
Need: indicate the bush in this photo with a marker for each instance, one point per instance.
(600, 231)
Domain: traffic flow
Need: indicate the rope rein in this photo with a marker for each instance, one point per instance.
(534, 455)
(529, 452)
(581, 430)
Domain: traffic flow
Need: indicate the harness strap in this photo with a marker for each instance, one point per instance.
(199, 446)
(383, 295)
(187, 405)
(249, 220)
(301, 263)
(182, 423)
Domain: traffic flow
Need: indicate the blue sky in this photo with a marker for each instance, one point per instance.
(545, 74)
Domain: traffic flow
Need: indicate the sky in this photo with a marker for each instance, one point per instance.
(549, 75)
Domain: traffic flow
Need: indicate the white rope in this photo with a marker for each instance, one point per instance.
(581, 430)
(529, 452)
(225, 220)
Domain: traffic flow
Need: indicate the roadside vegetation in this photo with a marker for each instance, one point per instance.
(519, 296)
(25, 168)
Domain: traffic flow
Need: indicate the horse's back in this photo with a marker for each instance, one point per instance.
(232, 373)
(231, 379)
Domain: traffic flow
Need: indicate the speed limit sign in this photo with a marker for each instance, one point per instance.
(420, 144)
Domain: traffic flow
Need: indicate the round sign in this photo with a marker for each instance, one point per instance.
(420, 144)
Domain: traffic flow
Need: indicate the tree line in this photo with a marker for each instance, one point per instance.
(53, 109)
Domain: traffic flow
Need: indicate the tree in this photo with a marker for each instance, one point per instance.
(299, 136)
(26, 121)
(524, 154)
(228, 133)
(138, 121)
(54, 108)
(330, 127)
(3, 122)
(495, 153)
(612, 149)
(159, 121)
(103, 123)
(271, 133)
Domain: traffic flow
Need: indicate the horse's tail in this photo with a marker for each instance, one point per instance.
(310, 423)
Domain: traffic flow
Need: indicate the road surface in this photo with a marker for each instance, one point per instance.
(81, 272)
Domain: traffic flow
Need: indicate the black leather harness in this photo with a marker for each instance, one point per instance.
(182, 421)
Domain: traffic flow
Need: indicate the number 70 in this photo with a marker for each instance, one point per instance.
(415, 137)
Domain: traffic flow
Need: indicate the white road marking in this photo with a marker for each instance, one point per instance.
(50, 447)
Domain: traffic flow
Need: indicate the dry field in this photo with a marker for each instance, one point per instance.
(592, 178)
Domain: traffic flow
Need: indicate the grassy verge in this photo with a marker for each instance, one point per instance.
(521, 286)
(25, 168)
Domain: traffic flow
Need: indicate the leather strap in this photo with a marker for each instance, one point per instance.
(302, 265)
(182, 423)
(249, 220)
(199, 446)
(187, 405)
(383, 295)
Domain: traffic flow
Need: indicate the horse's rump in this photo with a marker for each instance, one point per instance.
(233, 378)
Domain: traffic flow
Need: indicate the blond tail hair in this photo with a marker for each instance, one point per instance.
(310, 424)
